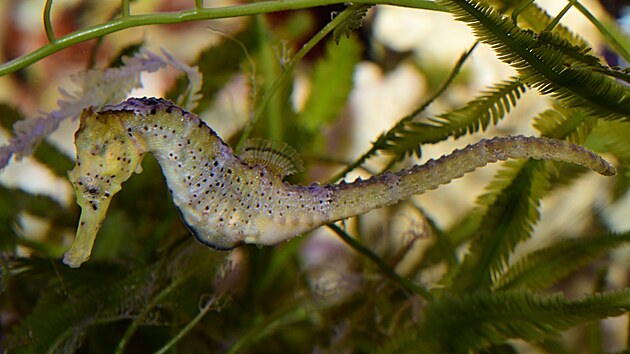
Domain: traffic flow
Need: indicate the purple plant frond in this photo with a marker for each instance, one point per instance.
(94, 88)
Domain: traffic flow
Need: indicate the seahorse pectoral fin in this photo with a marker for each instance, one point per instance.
(281, 158)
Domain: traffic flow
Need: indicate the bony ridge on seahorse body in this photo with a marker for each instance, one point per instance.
(226, 201)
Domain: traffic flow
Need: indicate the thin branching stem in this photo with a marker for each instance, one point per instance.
(50, 33)
(284, 75)
(611, 38)
(380, 263)
(196, 14)
(154, 301)
(440, 90)
(199, 4)
(520, 8)
(124, 9)
(560, 15)
(210, 304)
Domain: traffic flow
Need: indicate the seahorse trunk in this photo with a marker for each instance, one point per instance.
(362, 196)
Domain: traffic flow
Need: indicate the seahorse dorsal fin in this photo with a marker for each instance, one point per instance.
(278, 156)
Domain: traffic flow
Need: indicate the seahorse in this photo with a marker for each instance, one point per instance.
(226, 200)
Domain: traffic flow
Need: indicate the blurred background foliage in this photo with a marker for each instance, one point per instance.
(526, 256)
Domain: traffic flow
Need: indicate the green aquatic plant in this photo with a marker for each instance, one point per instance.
(149, 287)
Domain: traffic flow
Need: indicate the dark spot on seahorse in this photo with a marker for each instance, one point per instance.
(169, 109)
(153, 111)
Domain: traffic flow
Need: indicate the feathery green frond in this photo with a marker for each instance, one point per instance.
(612, 137)
(537, 19)
(541, 66)
(508, 221)
(352, 23)
(331, 84)
(490, 107)
(565, 123)
(383, 143)
(545, 267)
(57, 322)
(482, 319)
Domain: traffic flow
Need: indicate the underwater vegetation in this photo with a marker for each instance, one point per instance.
(376, 269)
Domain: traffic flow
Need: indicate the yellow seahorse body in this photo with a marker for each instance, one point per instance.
(225, 201)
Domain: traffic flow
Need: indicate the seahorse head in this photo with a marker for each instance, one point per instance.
(107, 155)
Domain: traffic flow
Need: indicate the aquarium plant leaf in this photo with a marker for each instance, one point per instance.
(482, 319)
(542, 66)
(545, 267)
(352, 23)
(331, 84)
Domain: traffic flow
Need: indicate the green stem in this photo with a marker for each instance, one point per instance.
(284, 75)
(270, 71)
(196, 14)
(288, 315)
(206, 308)
(520, 8)
(159, 297)
(380, 263)
(410, 117)
(199, 4)
(560, 15)
(50, 33)
(616, 39)
(124, 9)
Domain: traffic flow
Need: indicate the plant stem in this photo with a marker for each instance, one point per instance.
(613, 36)
(380, 263)
(50, 33)
(159, 297)
(197, 14)
(284, 75)
(270, 71)
(206, 308)
(124, 9)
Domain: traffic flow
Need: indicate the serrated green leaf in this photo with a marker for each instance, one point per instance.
(354, 22)
(543, 67)
(545, 267)
(612, 137)
(484, 319)
(331, 84)
(508, 221)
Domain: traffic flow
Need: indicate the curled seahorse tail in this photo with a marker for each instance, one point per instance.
(361, 196)
(538, 148)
